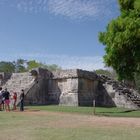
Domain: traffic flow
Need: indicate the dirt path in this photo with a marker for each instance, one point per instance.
(76, 120)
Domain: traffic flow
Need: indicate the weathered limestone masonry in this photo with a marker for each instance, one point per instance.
(19, 81)
(16, 81)
(87, 87)
(4, 77)
(118, 94)
(72, 88)
(80, 88)
(37, 94)
(63, 88)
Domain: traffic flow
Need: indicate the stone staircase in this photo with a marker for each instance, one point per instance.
(19, 81)
(134, 97)
(130, 96)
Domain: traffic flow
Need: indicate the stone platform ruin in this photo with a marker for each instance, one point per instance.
(70, 87)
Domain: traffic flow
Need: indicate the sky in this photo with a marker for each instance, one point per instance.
(62, 32)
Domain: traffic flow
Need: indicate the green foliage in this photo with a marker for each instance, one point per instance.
(122, 40)
(137, 5)
(126, 5)
(101, 111)
(34, 124)
(22, 65)
(33, 64)
(7, 67)
(52, 67)
(109, 73)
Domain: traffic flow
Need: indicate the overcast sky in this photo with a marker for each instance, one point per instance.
(62, 32)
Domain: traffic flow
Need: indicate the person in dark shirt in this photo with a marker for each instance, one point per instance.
(3, 106)
(6, 96)
(1, 97)
(22, 100)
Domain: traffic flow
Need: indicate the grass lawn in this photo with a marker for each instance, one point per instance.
(100, 111)
(51, 123)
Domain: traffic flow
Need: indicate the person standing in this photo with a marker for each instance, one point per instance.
(3, 105)
(1, 98)
(22, 100)
(14, 100)
(6, 96)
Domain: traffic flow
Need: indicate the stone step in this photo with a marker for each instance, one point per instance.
(18, 81)
(136, 102)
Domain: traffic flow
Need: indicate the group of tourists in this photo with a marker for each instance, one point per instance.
(8, 101)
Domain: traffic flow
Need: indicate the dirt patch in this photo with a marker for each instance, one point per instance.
(68, 120)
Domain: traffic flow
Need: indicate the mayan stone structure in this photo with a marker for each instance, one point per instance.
(70, 87)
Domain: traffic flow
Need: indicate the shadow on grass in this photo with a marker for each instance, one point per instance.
(31, 110)
(126, 111)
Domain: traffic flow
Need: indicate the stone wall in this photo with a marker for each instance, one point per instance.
(18, 81)
(4, 77)
(86, 91)
(63, 88)
(76, 88)
(37, 93)
(63, 91)
(114, 93)
(72, 88)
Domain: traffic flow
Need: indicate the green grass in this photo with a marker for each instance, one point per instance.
(100, 111)
(44, 125)
(28, 126)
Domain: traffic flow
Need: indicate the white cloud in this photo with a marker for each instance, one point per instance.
(74, 9)
(79, 9)
(74, 62)
(32, 6)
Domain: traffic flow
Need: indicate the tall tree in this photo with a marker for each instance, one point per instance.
(20, 65)
(122, 41)
(33, 64)
(7, 67)
(110, 73)
(53, 67)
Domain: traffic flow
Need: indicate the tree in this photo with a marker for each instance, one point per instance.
(109, 73)
(122, 40)
(52, 67)
(33, 64)
(7, 67)
(20, 65)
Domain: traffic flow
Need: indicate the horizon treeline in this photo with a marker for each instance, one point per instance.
(21, 65)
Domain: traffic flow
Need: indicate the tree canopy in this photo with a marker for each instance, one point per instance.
(110, 73)
(8, 67)
(122, 40)
(21, 65)
(33, 64)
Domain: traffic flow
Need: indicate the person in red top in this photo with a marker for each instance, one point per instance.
(14, 100)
